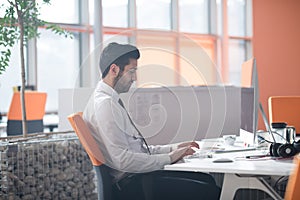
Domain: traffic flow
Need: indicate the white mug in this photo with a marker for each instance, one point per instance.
(229, 139)
(283, 133)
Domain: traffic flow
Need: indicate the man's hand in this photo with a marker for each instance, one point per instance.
(192, 144)
(180, 153)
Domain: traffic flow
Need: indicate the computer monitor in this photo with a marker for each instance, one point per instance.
(249, 78)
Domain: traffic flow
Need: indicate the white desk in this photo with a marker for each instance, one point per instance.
(241, 173)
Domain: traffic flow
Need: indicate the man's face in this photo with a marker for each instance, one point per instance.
(127, 77)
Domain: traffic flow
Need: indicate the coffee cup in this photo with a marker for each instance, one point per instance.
(283, 133)
(229, 139)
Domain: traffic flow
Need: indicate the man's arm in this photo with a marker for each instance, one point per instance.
(121, 149)
(157, 149)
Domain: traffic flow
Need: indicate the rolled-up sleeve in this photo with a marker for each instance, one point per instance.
(158, 149)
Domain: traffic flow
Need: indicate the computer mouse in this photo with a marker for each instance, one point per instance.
(222, 160)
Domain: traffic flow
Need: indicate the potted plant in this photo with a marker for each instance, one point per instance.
(20, 23)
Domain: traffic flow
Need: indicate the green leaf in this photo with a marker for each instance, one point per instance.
(10, 30)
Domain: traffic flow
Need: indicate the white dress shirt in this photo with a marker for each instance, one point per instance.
(117, 138)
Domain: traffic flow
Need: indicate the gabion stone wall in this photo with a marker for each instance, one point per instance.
(48, 169)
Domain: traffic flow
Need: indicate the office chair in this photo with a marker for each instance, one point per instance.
(292, 191)
(104, 180)
(285, 109)
(35, 103)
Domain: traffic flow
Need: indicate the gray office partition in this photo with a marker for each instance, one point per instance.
(174, 114)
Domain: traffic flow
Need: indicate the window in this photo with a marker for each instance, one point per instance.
(58, 65)
(172, 35)
(237, 55)
(108, 38)
(194, 16)
(9, 79)
(157, 65)
(155, 14)
(115, 13)
(58, 11)
(239, 38)
(197, 66)
(236, 17)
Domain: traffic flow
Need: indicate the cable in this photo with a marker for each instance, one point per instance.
(280, 135)
(282, 181)
(263, 139)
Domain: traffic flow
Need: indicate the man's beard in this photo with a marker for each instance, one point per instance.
(120, 87)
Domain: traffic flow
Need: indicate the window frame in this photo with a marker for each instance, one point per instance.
(90, 76)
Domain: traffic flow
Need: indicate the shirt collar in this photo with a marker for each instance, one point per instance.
(105, 88)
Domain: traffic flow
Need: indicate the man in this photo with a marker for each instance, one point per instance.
(133, 164)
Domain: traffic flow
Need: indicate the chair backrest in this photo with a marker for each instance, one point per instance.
(292, 191)
(35, 103)
(285, 109)
(86, 138)
(104, 180)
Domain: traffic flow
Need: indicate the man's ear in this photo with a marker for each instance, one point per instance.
(114, 70)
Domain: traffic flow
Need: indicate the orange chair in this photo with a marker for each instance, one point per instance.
(292, 191)
(104, 180)
(285, 109)
(164, 185)
(35, 103)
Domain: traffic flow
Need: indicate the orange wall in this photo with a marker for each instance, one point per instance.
(276, 47)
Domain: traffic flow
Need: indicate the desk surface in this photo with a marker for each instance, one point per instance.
(239, 174)
(240, 165)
